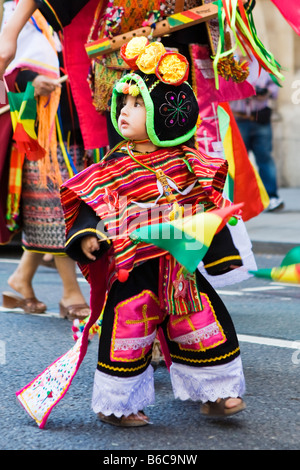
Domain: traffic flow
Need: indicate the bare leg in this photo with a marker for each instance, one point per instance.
(21, 282)
(21, 279)
(47, 257)
(72, 295)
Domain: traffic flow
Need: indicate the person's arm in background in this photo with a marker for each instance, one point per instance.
(42, 84)
(57, 12)
(11, 31)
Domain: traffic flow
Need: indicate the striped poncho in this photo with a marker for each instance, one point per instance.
(125, 195)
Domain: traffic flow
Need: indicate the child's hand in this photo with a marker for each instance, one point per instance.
(90, 244)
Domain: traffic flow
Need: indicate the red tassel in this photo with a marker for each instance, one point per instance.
(123, 275)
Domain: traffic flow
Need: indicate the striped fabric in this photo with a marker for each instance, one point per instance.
(121, 192)
(25, 142)
(243, 183)
(15, 189)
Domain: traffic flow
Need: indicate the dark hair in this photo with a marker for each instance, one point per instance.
(120, 104)
(190, 143)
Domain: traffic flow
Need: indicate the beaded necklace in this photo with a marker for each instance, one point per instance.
(177, 210)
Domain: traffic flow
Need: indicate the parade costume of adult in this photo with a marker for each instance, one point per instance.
(254, 119)
(36, 207)
(41, 59)
(36, 171)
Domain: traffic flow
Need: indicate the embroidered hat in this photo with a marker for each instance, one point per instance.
(171, 106)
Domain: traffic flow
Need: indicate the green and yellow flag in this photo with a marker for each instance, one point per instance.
(23, 116)
(288, 271)
(25, 143)
(186, 238)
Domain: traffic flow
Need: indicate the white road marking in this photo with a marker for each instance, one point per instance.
(8, 260)
(280, 343)
(20, 310)
(262, 288)
(286, 284)
(229, 292)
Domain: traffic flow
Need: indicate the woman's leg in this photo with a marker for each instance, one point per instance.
(22, 277)
(21, 281)
(73, 303)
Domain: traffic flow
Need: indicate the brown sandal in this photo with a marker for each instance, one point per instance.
(133, 420)
(30, 305)
(218, 408)
(80, 311)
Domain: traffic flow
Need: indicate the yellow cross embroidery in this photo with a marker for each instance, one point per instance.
(145, 319)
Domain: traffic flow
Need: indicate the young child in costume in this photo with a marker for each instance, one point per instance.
(154, 175)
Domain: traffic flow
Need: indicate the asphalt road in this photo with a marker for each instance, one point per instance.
(267, 319)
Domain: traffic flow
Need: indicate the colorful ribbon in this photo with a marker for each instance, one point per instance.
(241, 23)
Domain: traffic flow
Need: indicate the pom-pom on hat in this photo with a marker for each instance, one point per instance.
(171, 106)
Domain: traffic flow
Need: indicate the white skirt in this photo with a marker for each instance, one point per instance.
(123, 396)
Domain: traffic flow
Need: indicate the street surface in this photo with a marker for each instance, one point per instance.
(267, 320)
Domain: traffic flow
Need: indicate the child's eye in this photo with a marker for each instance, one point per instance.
(139, 102)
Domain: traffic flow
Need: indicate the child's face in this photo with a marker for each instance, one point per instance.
(132, 119)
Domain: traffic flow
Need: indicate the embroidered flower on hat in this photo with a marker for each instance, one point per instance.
(176, 109)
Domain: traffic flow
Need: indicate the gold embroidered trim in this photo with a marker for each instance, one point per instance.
(213, 359)
(123, 369)
(222, 260)
(90, 230)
